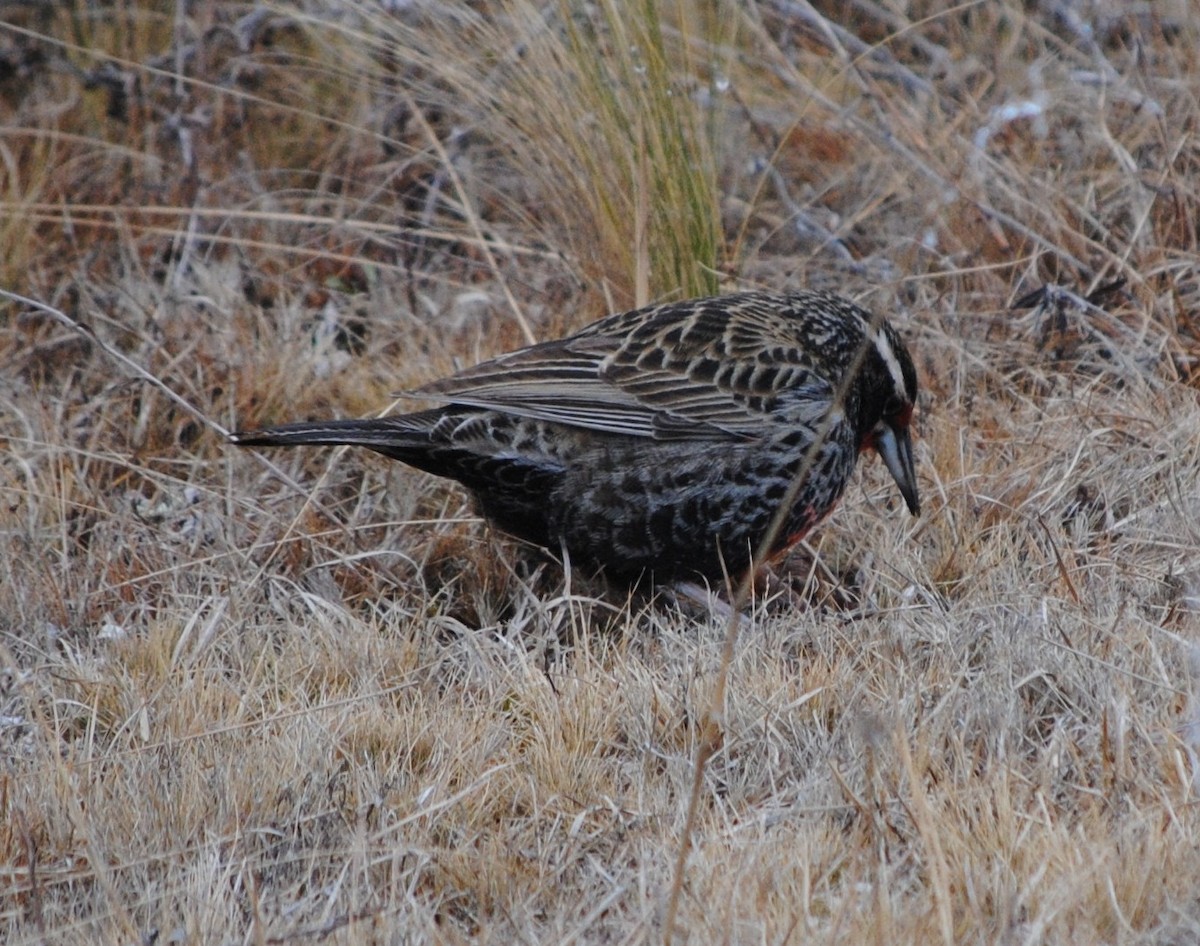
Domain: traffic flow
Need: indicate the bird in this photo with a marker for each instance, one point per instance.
(662, 442)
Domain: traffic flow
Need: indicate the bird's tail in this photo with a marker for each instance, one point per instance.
(385, 434)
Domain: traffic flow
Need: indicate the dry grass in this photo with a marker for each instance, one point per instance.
(310, 698)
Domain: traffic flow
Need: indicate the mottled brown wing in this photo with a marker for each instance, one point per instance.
(670, 373)
(551, 381)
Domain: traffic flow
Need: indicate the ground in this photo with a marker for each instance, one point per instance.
(310, 696)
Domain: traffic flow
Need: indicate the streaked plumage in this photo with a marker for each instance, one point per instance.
(662, 440)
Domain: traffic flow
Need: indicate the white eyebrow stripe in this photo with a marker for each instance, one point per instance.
(884, 347)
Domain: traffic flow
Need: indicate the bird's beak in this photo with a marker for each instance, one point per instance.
(895, 447)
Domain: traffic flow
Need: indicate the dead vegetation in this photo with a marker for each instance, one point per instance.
(308, 697)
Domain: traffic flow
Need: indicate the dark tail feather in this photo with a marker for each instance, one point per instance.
(385, 434)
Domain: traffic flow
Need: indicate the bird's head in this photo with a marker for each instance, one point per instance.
(889, 392)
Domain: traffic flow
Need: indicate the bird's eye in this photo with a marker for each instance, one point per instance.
(893, 406)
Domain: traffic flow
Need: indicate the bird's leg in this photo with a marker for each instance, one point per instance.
(706, 598)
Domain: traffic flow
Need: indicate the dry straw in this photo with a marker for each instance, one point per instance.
(320, 701)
